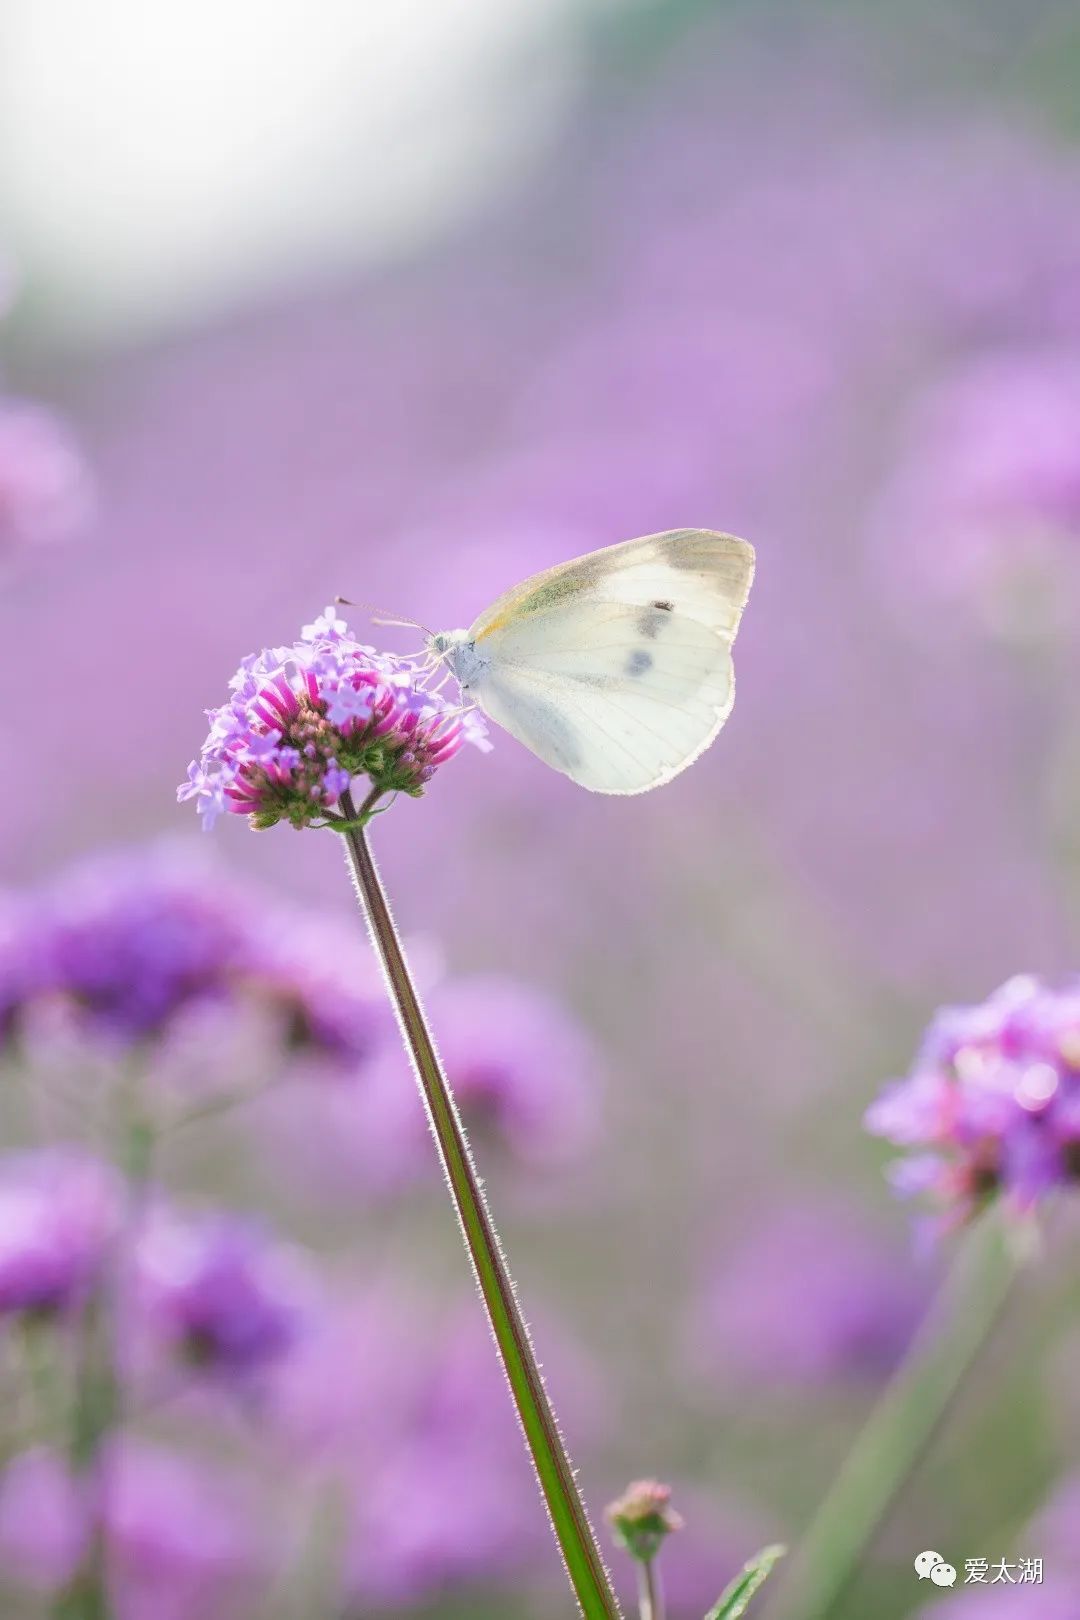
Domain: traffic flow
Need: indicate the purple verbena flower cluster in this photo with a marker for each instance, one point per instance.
(131, 941)
(992, 1105)
(127, 946)
(218, 1293)
(304, 720)
(370, 1396)
(59, 1210)
(214, 1290)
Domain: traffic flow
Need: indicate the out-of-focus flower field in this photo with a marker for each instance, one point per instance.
(810, 275)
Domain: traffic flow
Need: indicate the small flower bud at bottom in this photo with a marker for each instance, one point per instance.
(642, 1517)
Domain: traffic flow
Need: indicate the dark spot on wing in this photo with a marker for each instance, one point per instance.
(638, 662)
(651, 619)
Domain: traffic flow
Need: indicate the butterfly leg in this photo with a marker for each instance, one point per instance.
(462, 708)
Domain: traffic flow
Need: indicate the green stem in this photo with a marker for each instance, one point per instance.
(901, 1426)
(96, 1401)
(38, 1342)
(650, 1598)
(223, 1103)
(554, 1472)
(98, 1412)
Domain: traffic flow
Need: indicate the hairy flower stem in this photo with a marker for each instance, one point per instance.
(554, 1472)
(650, 1597)
(901, 1426)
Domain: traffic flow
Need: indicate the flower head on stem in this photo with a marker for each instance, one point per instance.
(305, 720)
(641, 1519)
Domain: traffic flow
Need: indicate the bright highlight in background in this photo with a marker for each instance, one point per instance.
(160, 160)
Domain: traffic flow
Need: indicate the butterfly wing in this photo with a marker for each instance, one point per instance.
(616, 669)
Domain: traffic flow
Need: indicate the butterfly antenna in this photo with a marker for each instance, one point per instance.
(378, 616)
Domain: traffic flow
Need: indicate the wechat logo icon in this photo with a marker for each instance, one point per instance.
(931, 1566)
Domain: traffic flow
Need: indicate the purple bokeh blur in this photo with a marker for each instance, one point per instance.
(812, 279)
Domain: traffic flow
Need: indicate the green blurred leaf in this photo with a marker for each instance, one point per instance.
(735, 1598)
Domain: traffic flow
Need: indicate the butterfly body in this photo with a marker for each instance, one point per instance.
(614, 668)
(460, 656)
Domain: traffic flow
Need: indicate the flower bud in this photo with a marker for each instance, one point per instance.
(642, 1517)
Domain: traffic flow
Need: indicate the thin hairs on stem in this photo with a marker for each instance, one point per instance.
(555, 1474)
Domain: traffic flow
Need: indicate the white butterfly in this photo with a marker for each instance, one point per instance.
(615, 668)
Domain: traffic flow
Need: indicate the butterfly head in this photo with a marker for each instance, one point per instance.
(442, 643)
(457, 651)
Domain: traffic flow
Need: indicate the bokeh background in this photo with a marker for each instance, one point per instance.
(408, 303)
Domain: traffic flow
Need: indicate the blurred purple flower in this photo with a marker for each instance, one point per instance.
(985, 503)
(42, 1525)
(436, 1492)
(132, 946)
(59, 1208)
(304, 720)
(435, 1518)
(396, 1407)
(353, 1382)
(811, 1295)
(182, 1536)
(131, 939)
(993, 1100)
(523, 1071)
(45, 490)
(218, 1293)
(318, 976)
